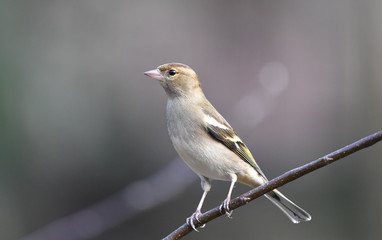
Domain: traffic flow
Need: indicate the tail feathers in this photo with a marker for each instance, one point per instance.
(294, 212)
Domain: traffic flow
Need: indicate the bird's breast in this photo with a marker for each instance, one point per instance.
(203, 154)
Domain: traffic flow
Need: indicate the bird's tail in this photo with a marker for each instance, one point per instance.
(294, 212)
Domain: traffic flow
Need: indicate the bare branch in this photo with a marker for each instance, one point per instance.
(279, 181)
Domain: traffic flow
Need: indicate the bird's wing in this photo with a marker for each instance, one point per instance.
(221, 131)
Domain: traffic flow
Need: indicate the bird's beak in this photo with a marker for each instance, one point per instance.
(154, 74)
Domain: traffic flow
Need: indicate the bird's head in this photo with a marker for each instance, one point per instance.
(177, 79)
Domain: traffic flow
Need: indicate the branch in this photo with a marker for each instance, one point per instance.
(279, 181)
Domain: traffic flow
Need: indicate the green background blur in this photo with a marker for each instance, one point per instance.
(79, 121)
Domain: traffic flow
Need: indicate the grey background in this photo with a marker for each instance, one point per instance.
(296, 79)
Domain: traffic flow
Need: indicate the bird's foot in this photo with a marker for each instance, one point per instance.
(195, 217)
(224, 208)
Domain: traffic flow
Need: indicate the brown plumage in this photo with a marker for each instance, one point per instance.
(207, 143)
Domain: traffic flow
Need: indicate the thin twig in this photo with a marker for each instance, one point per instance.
(278, 182)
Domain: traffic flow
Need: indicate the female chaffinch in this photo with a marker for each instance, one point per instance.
(208, 144)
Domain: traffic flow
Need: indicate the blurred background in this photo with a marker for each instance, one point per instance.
(84, 150)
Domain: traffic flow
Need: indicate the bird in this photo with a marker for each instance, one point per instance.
(208, 144)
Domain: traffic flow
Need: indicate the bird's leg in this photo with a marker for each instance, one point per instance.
(195, 215)
(224, 207)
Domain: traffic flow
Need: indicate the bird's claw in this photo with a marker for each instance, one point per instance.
(194, 217)
(224, 208)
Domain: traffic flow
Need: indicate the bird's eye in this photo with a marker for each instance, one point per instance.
(172, 72)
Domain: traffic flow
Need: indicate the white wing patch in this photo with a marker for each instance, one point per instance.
(212, 121)
(235, 139)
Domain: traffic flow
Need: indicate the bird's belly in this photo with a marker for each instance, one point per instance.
(214, 161)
